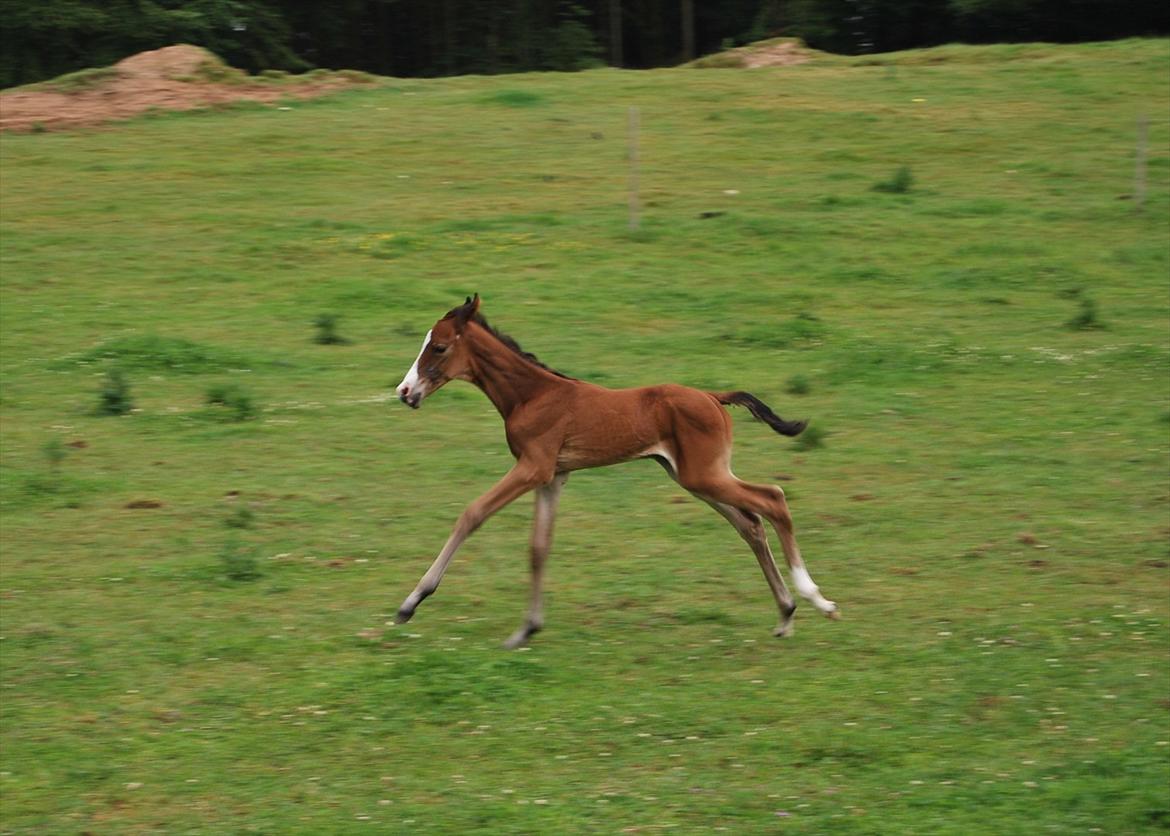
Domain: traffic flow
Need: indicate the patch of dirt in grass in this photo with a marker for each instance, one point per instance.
(181, 77)
(776, 52)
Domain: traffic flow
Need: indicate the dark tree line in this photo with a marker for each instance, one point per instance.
(43, 38)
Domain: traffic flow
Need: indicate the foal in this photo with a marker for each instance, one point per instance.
(556, 424)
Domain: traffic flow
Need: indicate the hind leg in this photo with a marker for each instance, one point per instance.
(781, 520)
(768, 501)
(752, 531)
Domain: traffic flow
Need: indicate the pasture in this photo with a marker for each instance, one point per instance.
(195, 593)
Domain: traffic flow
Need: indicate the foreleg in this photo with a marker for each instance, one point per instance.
(547, 497)
(518, 481)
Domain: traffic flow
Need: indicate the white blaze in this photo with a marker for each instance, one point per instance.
(410, 382)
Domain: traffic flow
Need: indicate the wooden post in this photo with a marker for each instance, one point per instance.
(1139, 163)
(688, 29)
(632, 146)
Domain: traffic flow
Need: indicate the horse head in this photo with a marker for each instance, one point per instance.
(444, 355)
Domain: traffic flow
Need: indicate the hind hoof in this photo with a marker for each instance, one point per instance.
(403, 616)
(833, 614)
(783, 631)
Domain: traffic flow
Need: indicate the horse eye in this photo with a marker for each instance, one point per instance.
(439, 349)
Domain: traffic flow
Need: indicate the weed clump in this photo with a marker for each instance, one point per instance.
(151, 352)
(801, 331)
(1086, 319)
(900, 183)
(798, 384)
(52, 485)
(812, 438)
(239, 562)
(54, 452)
(244, 517)
(114, 396)
(327, 331)
(236, 399)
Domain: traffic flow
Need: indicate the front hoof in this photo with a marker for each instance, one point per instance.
(783, 631)
(834, 614)
(403, 616)
(516, 640)
(520, 637)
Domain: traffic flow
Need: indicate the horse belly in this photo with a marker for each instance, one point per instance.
(618, 426)
(588, 450)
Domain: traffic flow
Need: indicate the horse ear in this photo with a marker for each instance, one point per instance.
(466, 312)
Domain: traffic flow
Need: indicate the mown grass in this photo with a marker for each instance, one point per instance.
(194, 609)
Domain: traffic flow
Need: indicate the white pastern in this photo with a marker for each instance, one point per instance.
(410, 382)
(803, 582)
(808, 590)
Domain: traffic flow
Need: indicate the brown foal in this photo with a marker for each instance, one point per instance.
(556, 424)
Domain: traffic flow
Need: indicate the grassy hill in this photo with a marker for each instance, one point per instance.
(934, 256)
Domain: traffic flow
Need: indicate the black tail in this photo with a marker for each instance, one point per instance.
(761, 411)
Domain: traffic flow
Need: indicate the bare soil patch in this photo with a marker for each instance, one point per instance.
(777, 52)
(785, 53)
(181, 77)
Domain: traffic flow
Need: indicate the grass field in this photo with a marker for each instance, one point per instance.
(195, 595)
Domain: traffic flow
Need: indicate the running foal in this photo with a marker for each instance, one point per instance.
(557, 424)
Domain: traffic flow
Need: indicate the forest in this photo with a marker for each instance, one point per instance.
(45, 38)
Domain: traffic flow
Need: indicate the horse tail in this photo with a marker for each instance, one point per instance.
(760, 411)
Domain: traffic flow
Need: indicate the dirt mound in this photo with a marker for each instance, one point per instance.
(777, 52)
(784, 53)
(170, 62)
(181, 77)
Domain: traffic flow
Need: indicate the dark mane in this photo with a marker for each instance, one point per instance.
(469, 312)
(515, 346)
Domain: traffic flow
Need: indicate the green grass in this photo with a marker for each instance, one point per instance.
(989, 505)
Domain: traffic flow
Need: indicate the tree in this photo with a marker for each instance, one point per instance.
(433, 37)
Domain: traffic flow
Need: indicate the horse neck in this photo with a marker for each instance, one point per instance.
(504, 376)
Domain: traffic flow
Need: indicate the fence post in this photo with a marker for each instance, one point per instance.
(1139, 163)
(632, 146)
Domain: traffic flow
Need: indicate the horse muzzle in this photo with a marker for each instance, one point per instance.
(410, 395)
(412, 399)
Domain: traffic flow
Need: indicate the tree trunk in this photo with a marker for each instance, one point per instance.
(688, 29)
(615, 32)
(449, 32)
